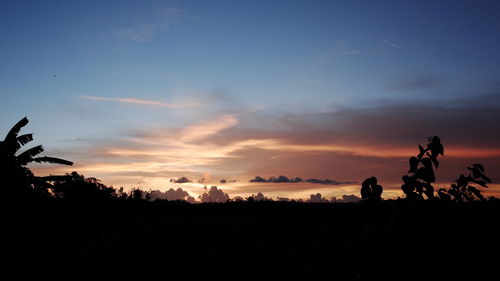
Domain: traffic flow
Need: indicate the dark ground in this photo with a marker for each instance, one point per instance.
(117, 239)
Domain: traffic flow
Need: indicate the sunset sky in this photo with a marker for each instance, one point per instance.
(140, 92)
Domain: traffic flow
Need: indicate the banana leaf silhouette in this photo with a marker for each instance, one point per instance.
(24, 139)
(27, 156)
(10, 140)
(13, 170)
(52, 160)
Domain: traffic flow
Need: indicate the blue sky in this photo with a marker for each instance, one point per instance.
(69, 65)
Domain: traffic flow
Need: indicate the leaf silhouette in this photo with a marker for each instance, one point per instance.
(433, 159)
(407, 189)
(480, 182)
(370, 190)
(413, 161)
(462, 181)
(365, 191)
(429, 190)
(24, 139)
(27, 156)
(476, 192)
(422, 151)
(427, 163)
(52, 160)
(377, 190)
(485, 178)
(443, 194)
(11, 138)
(419, 187)
(425, 174)
(435, 146)
(479, 166)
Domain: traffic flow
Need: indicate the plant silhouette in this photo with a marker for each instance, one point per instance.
(13, 171)
(462, 190)
(421, 173)
(370, 190)
(76, 187)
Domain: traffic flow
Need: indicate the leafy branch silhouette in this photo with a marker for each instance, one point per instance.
(421, 175)
(462, 190)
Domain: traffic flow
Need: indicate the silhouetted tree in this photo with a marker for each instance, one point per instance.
(421, 173)
(370, 190)
(14, 175)
(462, 190)
(76, 187)
(137, 194)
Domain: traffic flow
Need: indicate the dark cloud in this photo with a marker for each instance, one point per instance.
(283, 179)
(329, 182)
(226, 181)
(465, 120)
(464, 123)
(180, 180)
(422, 82)
(258, 179)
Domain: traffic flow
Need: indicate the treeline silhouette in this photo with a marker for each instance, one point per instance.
(72, 227)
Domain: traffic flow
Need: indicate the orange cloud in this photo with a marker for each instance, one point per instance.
(222, 147)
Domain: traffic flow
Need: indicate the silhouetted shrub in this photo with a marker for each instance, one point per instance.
(370, 190)
(76, 187)
(421, 173)
(462, 190)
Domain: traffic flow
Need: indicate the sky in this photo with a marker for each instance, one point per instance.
(140, 92)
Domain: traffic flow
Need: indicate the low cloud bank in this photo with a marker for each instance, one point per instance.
(214, 195)
(283, 179)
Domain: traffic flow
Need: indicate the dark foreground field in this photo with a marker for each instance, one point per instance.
(117, 239)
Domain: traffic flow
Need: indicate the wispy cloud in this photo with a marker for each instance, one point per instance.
(141, 102)
(160, 21)
(392, 44)
(206, 129)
